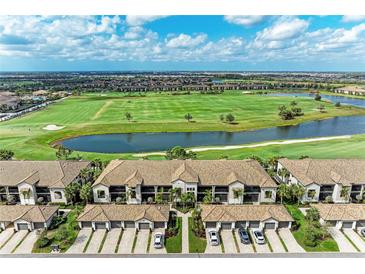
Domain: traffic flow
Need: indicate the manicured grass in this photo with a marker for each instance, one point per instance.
(119, 240)
(174, 244)
(149, 242)
(103, 241)
(134, 241)
(196, 244)
(236, 242)
(282, 242)
(22, 240)
(96, 114)
(327, 245)
(88, 241)
(268, 243)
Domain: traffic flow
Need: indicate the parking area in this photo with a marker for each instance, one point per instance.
(289, 240)
(5, 235)
(262, 248)
(111, 241)
(95, 241)
(355, 238)
(273, 238)
(142, 241)
(80, 242)
(343, 244)
(244, 248)
(27, 245)
(157, 250)
(217, 249)
(126, 243)
(13, 242)
(228, 241)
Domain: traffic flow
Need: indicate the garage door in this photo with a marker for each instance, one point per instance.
(116, 224)
(159, 225)
(129, 224)
(347, 224)
(269, 226)
(361, 223)
(22, 226)
(254, 225)
(283, 224)
(240, 224)
(331, 223)
(86, 224)
(38, 225)
(226, 225)
(144, 226)
(210, 225)
(100, 225)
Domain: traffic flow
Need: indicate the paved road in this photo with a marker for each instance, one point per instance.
(217, 249)
(276, 245)
(14, 241)
(157, 250)
(142, 241)
(96, 241)
(26, 246)
(244, 248)
(80, 242)
(228, 242)
(111, 241)
(343, 244)
(264, 248)
(5, 235)
(290, 241)
(126, 244)
(355, 238)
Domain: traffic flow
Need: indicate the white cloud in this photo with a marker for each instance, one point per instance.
(353, 18)
(139, 20)
(244, 20)
(184, 41)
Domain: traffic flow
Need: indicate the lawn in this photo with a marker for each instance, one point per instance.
(97, 114)
(174, 244)
(328, 245)
(196, 244)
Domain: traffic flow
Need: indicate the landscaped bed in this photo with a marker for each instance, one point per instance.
(196, 244)
(174, 244)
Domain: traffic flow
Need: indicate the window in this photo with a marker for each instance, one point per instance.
(190, 189)
(58, 195)
(311, 193)
(268, 194)
(101, 194)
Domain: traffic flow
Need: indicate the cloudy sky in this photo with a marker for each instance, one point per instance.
(312, 43)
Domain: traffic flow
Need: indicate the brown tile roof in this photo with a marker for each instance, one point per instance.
(112, 212)
(214, 213)
(345, 212)
(205, 172)
(30, 213)
(42, 173)
(324, 172)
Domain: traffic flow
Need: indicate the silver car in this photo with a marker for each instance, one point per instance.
(158, 240)
(213, 237)
(259, 237)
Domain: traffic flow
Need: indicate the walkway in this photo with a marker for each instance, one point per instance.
(185, 231)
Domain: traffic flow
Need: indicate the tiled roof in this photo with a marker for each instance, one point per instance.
(30, 213)
(344, 212)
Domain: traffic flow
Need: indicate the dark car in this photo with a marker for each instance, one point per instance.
(244, 237)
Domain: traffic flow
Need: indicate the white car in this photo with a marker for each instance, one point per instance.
(213, 237)
(158, 240)
(259, 237)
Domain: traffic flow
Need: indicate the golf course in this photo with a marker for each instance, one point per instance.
(32, 136)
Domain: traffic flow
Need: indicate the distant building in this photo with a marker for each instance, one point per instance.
(351, 90)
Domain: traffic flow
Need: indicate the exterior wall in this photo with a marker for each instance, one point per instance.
(3, 225)
(184, 186)
(340, 223)
(336, 196)
(32, 195)
(95, 194)
(138, 199)
(268, 200)
(315, 187)
(54, 199)
(231, 198)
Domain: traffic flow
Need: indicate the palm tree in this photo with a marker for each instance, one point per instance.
(175, 194)
(284, 174)
(188, 117)
(298, 191)
(238, 193)
(345, 192)
(282, 191)
(208, 196)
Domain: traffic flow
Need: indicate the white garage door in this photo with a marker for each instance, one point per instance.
(129, 224)
(226, 225)
(100, 225)
(22, 226)
(38, 225)
(144, 226)
(283, 224)
(210, 225)
(116, 224)
(269, 226)
(254, 225)
(361, 223)
(347, 224)
(86, 224)
(159, 225)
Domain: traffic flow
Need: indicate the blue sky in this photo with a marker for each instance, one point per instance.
(298, 43)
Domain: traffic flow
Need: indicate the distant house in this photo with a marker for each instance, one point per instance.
(27, 181)
(342, 179)
(26, 217)
(351, 90)
(140, 181)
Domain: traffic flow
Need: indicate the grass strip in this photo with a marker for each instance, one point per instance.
(196, 244)
(149, 242)
(22, 240)
(88, 241)
(103, 241)
(351, 242)
(119, 240)
(236, 242)
(11, 236)
(222, 244)
(252, 242)
(134, 241)
(174, 244)
(268, 243)
(282, 242)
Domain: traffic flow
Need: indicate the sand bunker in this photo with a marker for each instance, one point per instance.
(53, 127)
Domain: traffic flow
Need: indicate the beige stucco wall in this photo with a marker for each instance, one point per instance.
(231, 198)
(95, 194)
(32, 196)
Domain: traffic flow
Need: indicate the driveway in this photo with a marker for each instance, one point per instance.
(355, 238)
(216, 249)
(142, 241)
(276, 245)
(26, 246)
(244, 248)
(228, 241)
(126, 244)
(157, 250)
(343, 244)
(5, 235)
(260, 248)
(290, 241)
(96, 241)
(80, 242)
(14, 241)
(111, 241)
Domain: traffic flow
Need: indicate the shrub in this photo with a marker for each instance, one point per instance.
(317, 97)
(57, 221)
(43, 241)
(312, 215)
(338, 104)
(329, 199)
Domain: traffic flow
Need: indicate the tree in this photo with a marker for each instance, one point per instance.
(63, 153)
(317, 97)
(293, 103)
(312, 215)
(6, 154)
(345, 193)
(338, 104)
(230, 118)
(159, 197)
(72, 191)
(180, 153)
(221, 118)
(187, 198)
(298, 192)
(284, 174)
(282, 192)
(297, 111)
(208, 196)
(128, 116)
(238, 194)
(174, 194)
(321, 108)
(86, 193)
(188, 117)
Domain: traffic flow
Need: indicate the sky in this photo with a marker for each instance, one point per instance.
(159, 43)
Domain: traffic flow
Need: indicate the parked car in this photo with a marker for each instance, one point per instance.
(158, 240)
(213, 237)
(244, 237)
(259, 237)
(362, 232)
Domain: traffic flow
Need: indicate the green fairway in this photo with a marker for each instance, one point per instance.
(97, 114)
